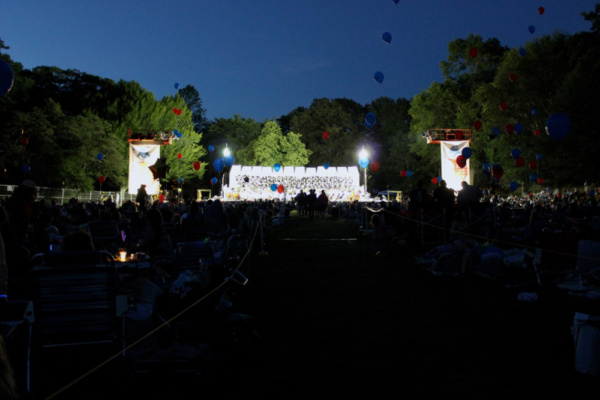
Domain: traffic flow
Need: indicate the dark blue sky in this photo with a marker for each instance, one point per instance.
(263, 58)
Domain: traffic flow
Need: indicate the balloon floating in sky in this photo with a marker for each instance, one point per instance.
(533, 165)
(378, 76)
(534, 112)
(363, 162)
(100, 156)
(370, 118)
(503, 105)
(509, 128)
(409, 173)
(214, 180)
(101, 179)
(273, 187)
(558, 126)
(211, 148)
(434, 180)
(461, 161)
(375, 166)
(277, 167)
(519, 161)
(179, 156)
(531, 29)
(26, 168)
(497, 171)
(512, 77)
(280, 189)
(196, 165)
(325, 135)
(477, 125)
(541, 10)
(466, 152)
(176, 85)
(387, 37)
(538, 157)
(7, 78)
(24, 141)
(396, 1)
(403, 173)
(218, 164)
(515, 153)
(522, 51)
(473, 52)
(518, 128)
(228, 160)
(513, 186)
(496, 132)
(536, 132)
(532, 177)
(326, 165)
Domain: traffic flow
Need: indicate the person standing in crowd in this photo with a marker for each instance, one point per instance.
(418, 198)
(142, 198)
(322, 204)
(311, 203)
(444, 201)
(301, 203)
(377, 235)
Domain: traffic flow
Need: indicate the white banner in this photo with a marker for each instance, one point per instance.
(451, 172)
(142, 156)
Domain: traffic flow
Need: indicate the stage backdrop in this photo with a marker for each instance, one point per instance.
(141, 156)
(451, 172)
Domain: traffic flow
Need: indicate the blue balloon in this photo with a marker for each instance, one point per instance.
(396, 1)
(534, 111)
(558, 126)
(363, 162)
(214, 181)
(522, 51)
(176, 85)
(486, 166)
(7, 78)
(326, 165)
(273, 187)
(277, 167)
(378, 76)
(466, 152)
(409, 173)
(211, 148)
(496, 132)
(538, 157)
(513, 186)
(533, 177)
(180, 180)
(26, 168)
(518, 128)
(370, 118)
(592, 193)
(100, 156)
(218, 164)
(228, 160)
(515, 153)
(387, 37)
(531, 29)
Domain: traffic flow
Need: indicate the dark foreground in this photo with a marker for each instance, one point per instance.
(336, 322)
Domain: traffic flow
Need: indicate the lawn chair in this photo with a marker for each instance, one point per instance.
(105, 235)
(74, 306)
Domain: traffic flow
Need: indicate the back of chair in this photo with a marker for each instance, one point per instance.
(75, 304)
(193, 254)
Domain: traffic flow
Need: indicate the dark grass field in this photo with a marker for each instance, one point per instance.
(336, 322)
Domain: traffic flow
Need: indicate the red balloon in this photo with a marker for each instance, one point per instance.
(497, 172)
(280, 189)
(161, 197)
(540, 181)
(473, 52)
(403, 173)
(541, 10)
(519, 161)
(510, 129)
(101, 179)
(179, 112)
(477, 125)
(24, 141)
(196, 165)
(512, 77)
(179, 155)
(533, 164)
(325, 135)
(461, 161)
(434, 181)
(459, 135)
(174, 111)
(503, 106)
(536, 132)
(375, 166)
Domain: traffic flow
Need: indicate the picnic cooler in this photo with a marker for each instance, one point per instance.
(586, 333)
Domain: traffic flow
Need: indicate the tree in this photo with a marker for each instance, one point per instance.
(237, 132)
(193, 102)
(272, 147)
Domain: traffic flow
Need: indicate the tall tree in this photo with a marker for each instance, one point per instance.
(194, 103)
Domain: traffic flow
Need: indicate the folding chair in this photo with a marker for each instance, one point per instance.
(105, 234)
(76, 306)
